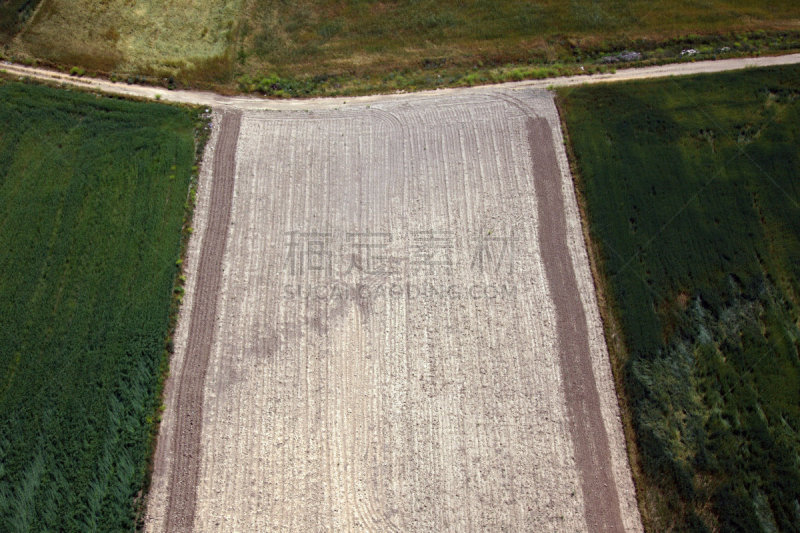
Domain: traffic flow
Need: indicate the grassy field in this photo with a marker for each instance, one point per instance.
(692, 187)
(93, 200)
(149, 37)
(317, 47)
(371, 40)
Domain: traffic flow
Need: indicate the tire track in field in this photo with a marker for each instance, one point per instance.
(592, 451)
(189, 416)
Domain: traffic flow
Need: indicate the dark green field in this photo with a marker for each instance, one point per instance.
(692, 188)
(93, 195)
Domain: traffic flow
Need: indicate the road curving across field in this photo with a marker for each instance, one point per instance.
(255, 103)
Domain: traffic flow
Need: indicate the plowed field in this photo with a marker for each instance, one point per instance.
(404, 336)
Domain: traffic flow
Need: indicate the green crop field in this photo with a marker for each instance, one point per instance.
(334, 47)
(692, 189)
(93, 200)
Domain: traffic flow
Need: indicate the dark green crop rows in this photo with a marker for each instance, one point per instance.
(93, 194)
(692, 188)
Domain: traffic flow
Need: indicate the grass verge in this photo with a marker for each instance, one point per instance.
(332, 47)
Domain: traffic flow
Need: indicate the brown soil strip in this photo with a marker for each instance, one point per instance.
(188, 421)
(592, 453)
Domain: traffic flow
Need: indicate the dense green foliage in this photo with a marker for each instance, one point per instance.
(692, 188)
(93, 193)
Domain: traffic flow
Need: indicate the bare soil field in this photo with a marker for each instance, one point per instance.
(405, 335)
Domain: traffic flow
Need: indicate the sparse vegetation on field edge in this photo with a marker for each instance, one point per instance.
(202, 133)
(567, 58)
(612, 328)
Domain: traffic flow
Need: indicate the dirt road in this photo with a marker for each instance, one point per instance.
(254, 103)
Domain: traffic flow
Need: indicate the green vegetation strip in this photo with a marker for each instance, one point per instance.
(692, 189)
(94, 199)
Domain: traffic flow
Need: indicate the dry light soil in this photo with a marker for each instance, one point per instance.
(391, 325)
